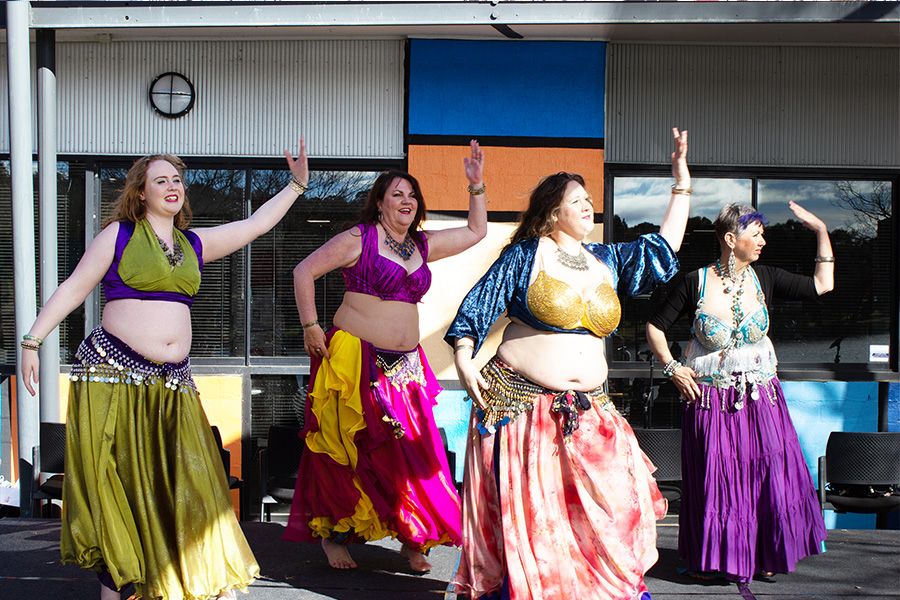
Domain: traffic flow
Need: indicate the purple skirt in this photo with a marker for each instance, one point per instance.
(748, 504)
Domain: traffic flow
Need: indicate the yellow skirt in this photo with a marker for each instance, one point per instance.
(145, 495)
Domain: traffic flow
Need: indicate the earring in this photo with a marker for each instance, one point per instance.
(731, 265)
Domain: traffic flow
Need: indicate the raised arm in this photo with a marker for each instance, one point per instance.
(824, 275)
(342, 250)
(448, 242)
(223, 240)
(675, 221)
(70, 295)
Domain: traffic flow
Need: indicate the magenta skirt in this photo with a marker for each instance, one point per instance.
(749, 504)
(374, 465)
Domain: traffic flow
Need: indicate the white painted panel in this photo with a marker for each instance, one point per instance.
(254, 98)
(755, 105)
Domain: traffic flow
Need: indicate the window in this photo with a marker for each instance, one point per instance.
(70, 220)
(332, 201)
(836, 334)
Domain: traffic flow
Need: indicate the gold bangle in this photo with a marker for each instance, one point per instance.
(29, 346)
(824, 259)
(310, 324)
(684, 191)
(298, 186)
(461, 346)
(476, 191)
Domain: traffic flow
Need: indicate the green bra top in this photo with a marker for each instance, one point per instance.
(141, 269)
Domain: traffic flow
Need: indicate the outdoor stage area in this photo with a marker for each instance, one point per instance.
(858, 563)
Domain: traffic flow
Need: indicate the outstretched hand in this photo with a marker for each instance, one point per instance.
(808, 219)
(300, 167)
(475, 164)
(679, 158)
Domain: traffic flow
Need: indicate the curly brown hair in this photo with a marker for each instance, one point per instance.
(370, 210)
(130, 206)
(544, 204)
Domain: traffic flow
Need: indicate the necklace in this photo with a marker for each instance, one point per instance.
(576, 262)
(174, 256)
(404, 250)
(736, 310)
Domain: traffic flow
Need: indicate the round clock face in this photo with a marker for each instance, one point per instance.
(172, 95)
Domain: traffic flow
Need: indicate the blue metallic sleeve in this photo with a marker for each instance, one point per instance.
(487, 300)
(640, 265)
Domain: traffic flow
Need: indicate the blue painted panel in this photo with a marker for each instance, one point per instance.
(817, 409)
(479, 88)
(452, 414)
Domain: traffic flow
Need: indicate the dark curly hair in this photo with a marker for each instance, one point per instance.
(544, 203)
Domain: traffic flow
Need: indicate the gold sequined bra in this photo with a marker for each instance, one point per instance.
(556, 303)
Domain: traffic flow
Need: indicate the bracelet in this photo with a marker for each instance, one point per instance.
(476, 191)
(670, 368)
(684, 191)
(824, 259)
(29, 346)
(310, 324)
(33, 338)
(461, 346)
(298, 186)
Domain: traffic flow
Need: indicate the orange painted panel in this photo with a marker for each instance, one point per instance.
(510, 174)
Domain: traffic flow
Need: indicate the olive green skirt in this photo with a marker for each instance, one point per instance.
(145, 495)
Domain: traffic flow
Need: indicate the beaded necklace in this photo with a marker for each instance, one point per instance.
(403, 250)
(175, 256)
(736, 309)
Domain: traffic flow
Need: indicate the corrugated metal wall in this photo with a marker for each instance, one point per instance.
(254, 98)
(755, 106)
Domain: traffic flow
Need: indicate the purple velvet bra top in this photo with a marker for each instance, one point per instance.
(377, 275)
(141, 270)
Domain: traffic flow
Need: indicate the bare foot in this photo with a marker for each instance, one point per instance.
(229, 595)
(417, 560)
(767, 573)
(338, 556)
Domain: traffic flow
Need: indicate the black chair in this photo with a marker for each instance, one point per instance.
(234, 483)
(860, 473)
(49, 457)
(663, 448)
(279, 462)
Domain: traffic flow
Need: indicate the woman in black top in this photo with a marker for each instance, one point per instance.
(749, 505)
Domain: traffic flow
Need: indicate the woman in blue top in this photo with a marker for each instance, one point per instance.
(558, 499)
(749, 506)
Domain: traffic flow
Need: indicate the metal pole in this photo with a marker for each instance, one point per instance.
(47, 192)
(20, 153)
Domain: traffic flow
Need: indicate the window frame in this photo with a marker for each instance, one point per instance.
(253, 365)
(788, 371)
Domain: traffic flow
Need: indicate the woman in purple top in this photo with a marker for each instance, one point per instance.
(145, 499)
(374, 465)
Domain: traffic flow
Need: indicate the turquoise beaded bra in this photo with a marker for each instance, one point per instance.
(715, 334)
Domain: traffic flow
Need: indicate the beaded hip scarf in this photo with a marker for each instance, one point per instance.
(102, 357)
(510, 394)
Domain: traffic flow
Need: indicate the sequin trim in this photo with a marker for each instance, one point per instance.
(401, 368)
(510, 395)
(747, 385)
(104, 358)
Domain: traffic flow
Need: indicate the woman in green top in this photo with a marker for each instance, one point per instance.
(145, 499)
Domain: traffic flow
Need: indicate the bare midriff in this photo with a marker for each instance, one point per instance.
(558, 361)
(386, 324)
(159, 330)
